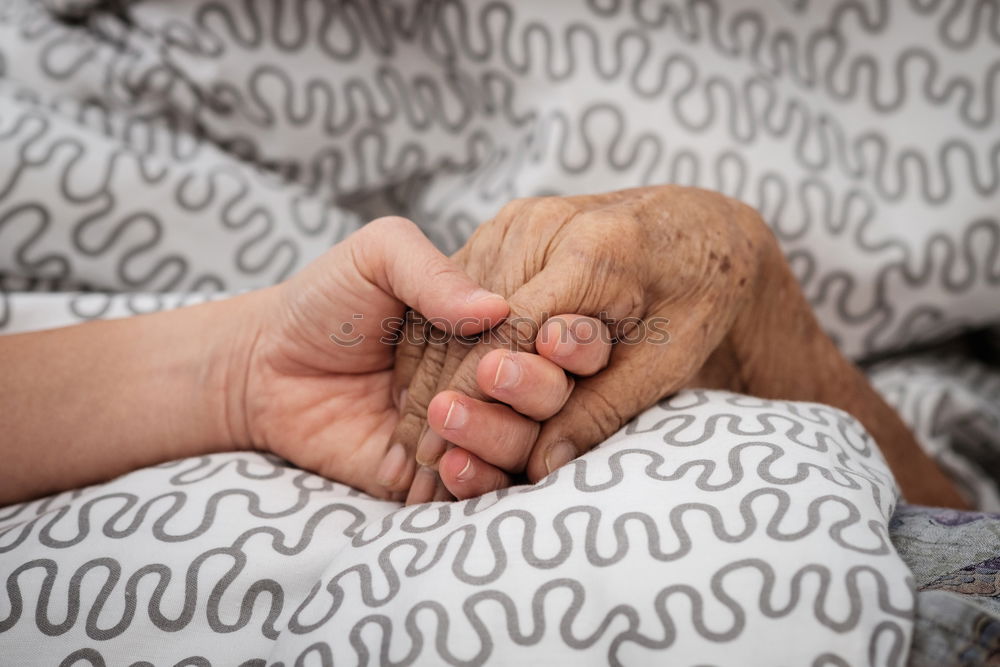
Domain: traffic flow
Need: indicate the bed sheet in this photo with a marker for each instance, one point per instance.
(714, 528)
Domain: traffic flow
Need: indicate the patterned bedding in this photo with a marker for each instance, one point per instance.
(158, 153)
(709, 529)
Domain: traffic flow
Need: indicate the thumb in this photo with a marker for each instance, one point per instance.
(394, 255)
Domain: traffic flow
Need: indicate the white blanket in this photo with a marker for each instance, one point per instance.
(713, 529)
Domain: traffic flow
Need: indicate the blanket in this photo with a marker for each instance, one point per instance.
(155, 154)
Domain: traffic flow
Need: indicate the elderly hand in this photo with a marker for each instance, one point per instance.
(695, 290)
(317, 373)
(635, 260)
(527, 389)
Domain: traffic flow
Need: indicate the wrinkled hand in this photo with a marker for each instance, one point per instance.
(671, 271)
(528, 389)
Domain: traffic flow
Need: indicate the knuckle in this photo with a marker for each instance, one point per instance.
(518, 332)
(615, 286)
(552, 210)
(438, 267)
(558, 395)
(622, 316)
(608, 239)
(505, 439)
(368, 243)
(389, 224)
(514, 207)
(464, 380)
(523, 437)
(599, 415)
(553, 384)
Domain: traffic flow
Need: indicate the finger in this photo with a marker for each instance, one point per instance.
(492, 431)
(557, 288)
(541, 387)
(531, 385)
(467, 476)
(554, 289)
(409, 351)
(412, 422)
(424, 486)
(393, 254)
(637, 376)
(577, 343)
(395, 472)
(430, 445)
(441, 492)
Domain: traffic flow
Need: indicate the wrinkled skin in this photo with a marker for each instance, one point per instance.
(635, 259)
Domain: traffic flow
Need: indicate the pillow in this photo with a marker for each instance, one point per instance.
(714, 528)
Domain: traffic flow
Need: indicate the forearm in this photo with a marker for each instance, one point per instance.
(780, 351)
(919, 477)
(86, 403)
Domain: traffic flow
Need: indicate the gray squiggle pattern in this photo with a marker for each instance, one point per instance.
(259, 132)
(952, 404)
(710, 529)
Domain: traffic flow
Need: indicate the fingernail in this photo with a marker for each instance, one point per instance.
(508, 372)
(482, 295)
(561, 453)
(391, 468)
(466, 473)
(430, 447)
(456, 417)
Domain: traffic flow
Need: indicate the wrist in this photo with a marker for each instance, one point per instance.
(202, 349)
(777, 335)
(787, 355)
(237, 324)
(773, 333)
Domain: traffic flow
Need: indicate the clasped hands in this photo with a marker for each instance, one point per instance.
(561, 318)
(616, 300)
(597, 307)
